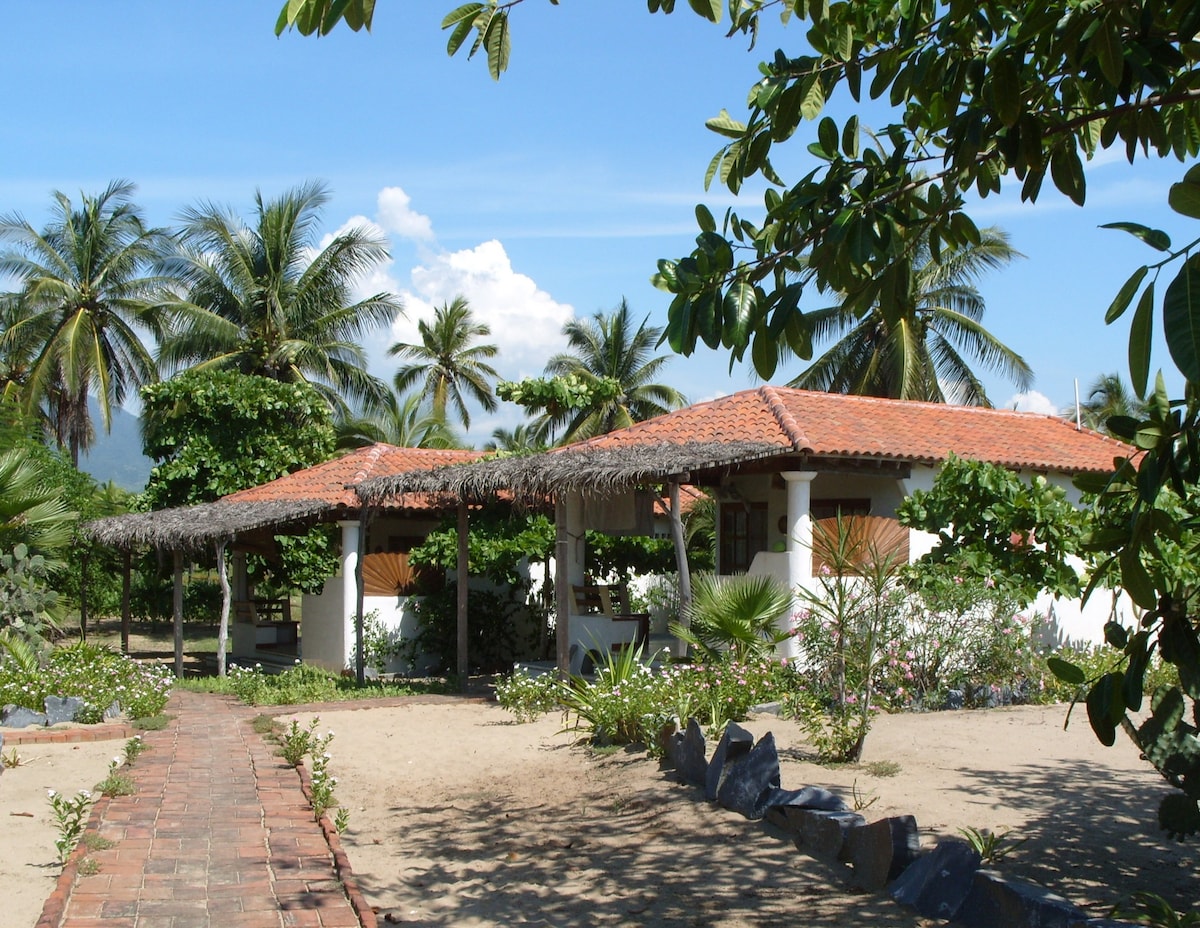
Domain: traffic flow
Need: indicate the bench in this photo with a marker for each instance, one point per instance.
(598, 617)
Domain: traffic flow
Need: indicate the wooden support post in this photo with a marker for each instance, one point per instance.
(226, 596)
(360, 646)
(464, 570)
(126, 606)
(177, 614)
(562, 589)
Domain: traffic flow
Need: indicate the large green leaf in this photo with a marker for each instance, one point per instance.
(1141, 332)
(709, 9)
(1181, 319)
(1155, 238)
(1184, 198)
(1124, 296)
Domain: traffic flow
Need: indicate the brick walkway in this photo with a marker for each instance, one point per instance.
(217, 835)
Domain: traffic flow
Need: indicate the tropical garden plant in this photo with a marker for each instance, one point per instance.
(735, 617)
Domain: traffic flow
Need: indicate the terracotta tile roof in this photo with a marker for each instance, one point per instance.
(841, 426)
(333, 481)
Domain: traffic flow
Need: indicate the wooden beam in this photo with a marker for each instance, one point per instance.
(126, 605)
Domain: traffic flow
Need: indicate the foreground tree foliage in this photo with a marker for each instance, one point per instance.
(983, 93)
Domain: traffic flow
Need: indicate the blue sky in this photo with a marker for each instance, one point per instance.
(547, 195)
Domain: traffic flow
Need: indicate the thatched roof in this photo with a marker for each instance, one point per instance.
(194, 527)
(537, 476)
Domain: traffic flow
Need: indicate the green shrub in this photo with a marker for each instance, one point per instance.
(491, 626)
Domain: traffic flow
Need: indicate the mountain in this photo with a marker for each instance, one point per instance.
(117, 455)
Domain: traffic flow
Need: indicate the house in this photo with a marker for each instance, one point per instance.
(777, 459)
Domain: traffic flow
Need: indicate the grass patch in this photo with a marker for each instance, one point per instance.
(882, 768)
(95, 842)
(220, 685)
(306, 683)
(116, 784)
(89, 866)
(152, 722)
(265, 725)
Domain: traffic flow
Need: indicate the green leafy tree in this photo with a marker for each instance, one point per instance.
(993, 525)
(449, 363)
(910, 345)
(259, 301)
(87, 299)
(215, 432)
(607, 347)
(983, 93)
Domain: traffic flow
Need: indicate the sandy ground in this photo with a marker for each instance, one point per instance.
(29, 861)
(460, 817)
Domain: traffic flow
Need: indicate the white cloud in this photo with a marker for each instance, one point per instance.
(526, 322)
(397, 217)
(1032, 402)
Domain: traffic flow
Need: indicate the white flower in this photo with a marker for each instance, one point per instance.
(116, 762)
(85, 793)
(50, 794)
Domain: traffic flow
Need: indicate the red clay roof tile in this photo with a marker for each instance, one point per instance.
(837, 425)
(333, 481)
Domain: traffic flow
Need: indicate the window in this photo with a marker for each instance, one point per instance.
(743, 535)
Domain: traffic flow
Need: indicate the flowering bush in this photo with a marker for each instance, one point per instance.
(525, 696)
(98, 676)
(70, 818)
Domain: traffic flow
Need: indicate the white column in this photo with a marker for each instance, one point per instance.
(349, 589)
(799, 542)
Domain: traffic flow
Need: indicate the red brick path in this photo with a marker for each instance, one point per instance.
(217, 835)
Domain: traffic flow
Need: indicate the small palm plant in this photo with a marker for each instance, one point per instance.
(735, 616)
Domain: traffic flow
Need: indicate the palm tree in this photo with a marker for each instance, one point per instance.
(260, 301)
(448, 361)
(524, 438)
(913, 348)
(1106, 397)
(608, 347)
(405, 423)
(87, 298)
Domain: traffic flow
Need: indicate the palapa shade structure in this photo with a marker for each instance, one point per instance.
(533, 479)
(196, 528)
(292, 503)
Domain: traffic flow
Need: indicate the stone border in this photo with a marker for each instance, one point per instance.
(341, 862)
(946, 882)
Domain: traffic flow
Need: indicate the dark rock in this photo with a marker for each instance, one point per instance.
(690, 760)
(954, 699)
(735, 742)
(822, 833)
(881, 851)
(783, 806)
(62, 709)
(750, 778)
(937, 883)
(113, 711)
(995, 902)
(20, 717)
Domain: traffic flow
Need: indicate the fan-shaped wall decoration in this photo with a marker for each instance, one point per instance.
(867, 537)
(387, 574)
